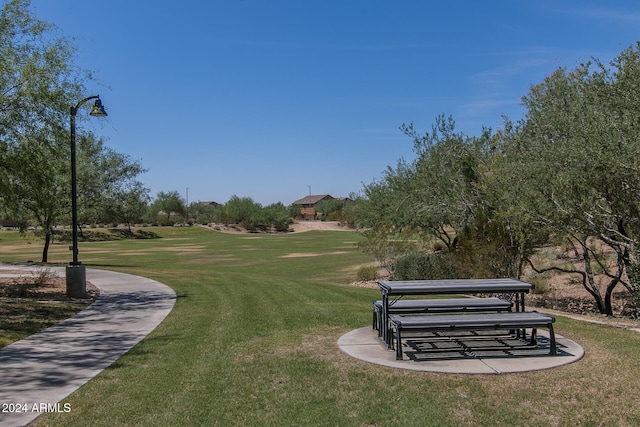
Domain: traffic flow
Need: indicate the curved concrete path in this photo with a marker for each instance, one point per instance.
(46, 367)
(457, 356)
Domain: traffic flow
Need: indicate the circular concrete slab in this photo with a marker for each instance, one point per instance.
(480, 354)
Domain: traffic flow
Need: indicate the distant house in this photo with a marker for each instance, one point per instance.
(307, 204)
(9, 224)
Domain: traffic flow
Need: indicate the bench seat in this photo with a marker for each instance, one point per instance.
(440, 306)
(472, 321)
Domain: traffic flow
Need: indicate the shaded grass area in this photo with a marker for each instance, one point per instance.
(33, 300)
(107, 234)
(19, 319)
(252, 340)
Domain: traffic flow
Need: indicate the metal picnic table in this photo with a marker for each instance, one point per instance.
(395, 290)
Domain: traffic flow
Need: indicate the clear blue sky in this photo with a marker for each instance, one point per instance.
(263, 98)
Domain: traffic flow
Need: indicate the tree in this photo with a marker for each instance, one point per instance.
(38, 84)
(128, 204)
(351, 209)
(35, 180)
(244, 211)
(441, 195)
(385, 224)
(38, 80)
(105, 176)
(168, 204)
(203, 213)
(294, 211)
(277, 216)
(32, 179)
(329, 209)
(571, 164)
(443, 189)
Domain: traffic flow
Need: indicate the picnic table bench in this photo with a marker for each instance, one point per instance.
(441, 305)
(393, 291)
(472, 321)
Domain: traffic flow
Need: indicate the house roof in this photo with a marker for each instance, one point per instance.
(312, 200)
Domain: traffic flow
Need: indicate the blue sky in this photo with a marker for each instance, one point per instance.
(263, 99)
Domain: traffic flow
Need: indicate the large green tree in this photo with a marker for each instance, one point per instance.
(442, 192)
(246, 212)
(38, 85)
(572, 165)
(441, 195)
(569, 169)
(166, 206)
(276, 215)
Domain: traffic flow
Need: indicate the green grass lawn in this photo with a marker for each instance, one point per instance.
(252, 341)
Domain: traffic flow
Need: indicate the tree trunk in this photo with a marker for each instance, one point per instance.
(608, 296)
(589, 282)
(47, 241)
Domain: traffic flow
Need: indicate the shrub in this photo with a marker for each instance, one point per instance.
(43, 276)
(367, 273)
(439, 246)
(423, 266)
(541, 284)
(24, 286)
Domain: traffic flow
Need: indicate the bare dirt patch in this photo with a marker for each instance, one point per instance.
(319, 225)
(310, 254)
(39, 285)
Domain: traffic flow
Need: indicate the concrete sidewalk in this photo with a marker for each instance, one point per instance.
(39, 371)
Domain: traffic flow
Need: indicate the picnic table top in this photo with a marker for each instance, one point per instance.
(452, 286)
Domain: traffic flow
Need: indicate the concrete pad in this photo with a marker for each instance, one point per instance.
(39, 371)
(477, 355)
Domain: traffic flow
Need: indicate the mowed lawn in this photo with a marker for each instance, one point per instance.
(252, 341)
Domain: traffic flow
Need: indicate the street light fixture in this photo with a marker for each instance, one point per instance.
(76, 272)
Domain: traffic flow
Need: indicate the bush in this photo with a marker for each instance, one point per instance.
(367, 273)
(423, 266)
(541, 284)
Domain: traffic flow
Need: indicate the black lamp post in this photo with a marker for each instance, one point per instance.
(76, 273)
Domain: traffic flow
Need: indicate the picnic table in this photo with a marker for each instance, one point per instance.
(449, 322)
(392, 291)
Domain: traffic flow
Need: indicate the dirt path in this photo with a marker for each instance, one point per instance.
(319, 225)
(296, 227)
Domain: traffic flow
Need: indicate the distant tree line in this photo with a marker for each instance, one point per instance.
(169, 208)
(566, 174)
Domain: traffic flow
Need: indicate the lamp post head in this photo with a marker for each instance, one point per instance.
(98, 109)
